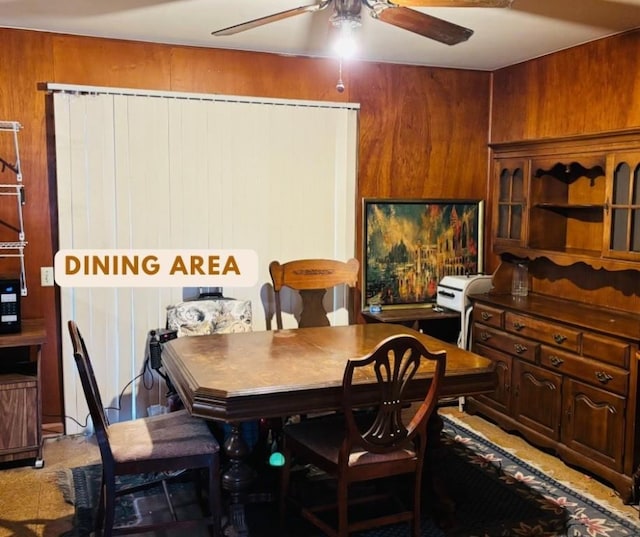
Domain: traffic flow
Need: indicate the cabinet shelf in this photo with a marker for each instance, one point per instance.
(15, 378)
(12, 246)
(571, 172)
(571, 206)
(567, 257)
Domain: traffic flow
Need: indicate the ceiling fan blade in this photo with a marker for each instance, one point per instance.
(421, 23)
(248, 25)
(453, 3)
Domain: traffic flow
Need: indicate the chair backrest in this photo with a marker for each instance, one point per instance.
(91, 391)
(394, 363)
(311, 278)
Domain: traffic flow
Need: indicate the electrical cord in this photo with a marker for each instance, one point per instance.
(146, 369)
(147, 384)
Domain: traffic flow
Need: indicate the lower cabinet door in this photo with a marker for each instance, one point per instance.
(18, 414)
(593, 423)
(537, 398)
(500, 399)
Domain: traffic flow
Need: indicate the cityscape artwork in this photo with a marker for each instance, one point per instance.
(410, 245)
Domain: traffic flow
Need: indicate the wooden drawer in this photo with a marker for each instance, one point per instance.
(606, 349)
(514, 345)
(487, 315)
(596, 373)
(544, 331)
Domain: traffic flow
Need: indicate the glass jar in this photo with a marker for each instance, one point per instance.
(520, 279)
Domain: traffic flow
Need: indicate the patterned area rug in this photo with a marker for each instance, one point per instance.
(81, 488)
(495, 494)
(557, 509)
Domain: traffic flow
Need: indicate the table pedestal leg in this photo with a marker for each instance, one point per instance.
(237, 479)
(443, 502)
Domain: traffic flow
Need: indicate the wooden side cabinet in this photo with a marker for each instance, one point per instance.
(20, 401)
(567, 380)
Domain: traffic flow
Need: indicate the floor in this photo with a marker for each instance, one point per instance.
(32, 505)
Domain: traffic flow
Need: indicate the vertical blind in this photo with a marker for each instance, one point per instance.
(158, 171)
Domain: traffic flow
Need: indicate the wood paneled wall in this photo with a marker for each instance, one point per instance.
(586, 89)
(423, 131)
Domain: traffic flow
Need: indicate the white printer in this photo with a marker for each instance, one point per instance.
(452, 294)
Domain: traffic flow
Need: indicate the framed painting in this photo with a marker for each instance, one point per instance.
(410, 245)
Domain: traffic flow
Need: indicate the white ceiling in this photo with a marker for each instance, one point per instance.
(503, 36)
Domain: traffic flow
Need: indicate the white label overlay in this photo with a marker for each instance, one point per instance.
(156, 268)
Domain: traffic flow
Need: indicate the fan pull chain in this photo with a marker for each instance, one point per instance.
(340, 84)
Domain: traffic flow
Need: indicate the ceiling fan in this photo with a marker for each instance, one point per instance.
(347, 15)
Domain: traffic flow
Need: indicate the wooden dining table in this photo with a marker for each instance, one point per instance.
(263, 374)
(244, 376)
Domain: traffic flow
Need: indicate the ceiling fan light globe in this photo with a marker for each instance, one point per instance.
(345, 47)
(345, 44)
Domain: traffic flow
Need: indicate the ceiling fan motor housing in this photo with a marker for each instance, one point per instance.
(346, 13)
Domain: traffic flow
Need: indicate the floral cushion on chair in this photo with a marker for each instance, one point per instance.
(216, 316)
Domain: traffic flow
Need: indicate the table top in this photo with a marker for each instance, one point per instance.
(250, 375)
(32, 332)
(399, 315)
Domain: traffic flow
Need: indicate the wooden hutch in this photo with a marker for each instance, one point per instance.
(567, 353)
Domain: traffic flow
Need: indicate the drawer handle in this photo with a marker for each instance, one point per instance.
(520, 348)
(603, 377)
(485, 316)
(556, 361)
(518, 325)
(485, 336)
(559, 338)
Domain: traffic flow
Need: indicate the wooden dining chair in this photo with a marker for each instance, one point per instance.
(356, 446)
(311, 278)
(169, 443)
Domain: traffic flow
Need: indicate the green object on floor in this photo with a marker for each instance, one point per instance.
(276, 459)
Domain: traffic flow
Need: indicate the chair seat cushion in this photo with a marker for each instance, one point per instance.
(324, 437)
(162, 436)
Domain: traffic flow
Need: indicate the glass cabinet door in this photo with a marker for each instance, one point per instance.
(623, 229)
(511, 184)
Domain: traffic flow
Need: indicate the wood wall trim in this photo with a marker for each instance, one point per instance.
(582, 143)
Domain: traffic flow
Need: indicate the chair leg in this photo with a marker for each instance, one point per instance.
(343, 508)
(167, 496)
(109, 493)
(417, 499)
(100, 512)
